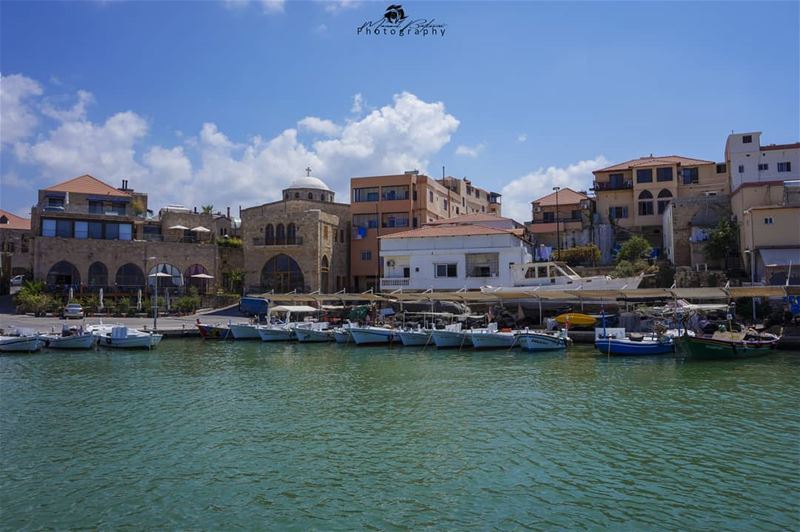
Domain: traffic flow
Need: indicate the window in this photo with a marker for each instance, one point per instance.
(457, 210)
(397, 219)
(64, 228)
(722, 168)
(430, 196)
(366, 194)
(291, 234)
(118, 208)
(665, 174)
(617, 212)
(48, 228)
(366, 255)
(616, 180)
(310, 196)
(394, 193)
(82, 230)
(125, 231)
(96, 230)
(690, 176)
(341, 236)
(741, 168)
(482, 264)
(785, 167)
(57, 203)
(747, 139)
(548, 217)
(645, 203)
(644, 175)
(269, 235)
(280, 235)
(369, 221)
(576, 215)
(768, 220)
(96, 207)
(445, 204)
(414, 222)
(664, 198)
(763, 166)
(446, 270)
(112, 231)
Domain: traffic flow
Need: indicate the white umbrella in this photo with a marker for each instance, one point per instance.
(201, 229)
(71, 293)
(139, 300)
(159, 274)
(202, 276)
(100, 302)
(180, 227)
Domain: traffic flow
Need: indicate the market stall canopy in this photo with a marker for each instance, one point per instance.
(293, 308)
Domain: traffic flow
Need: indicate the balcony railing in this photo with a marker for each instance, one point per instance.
(261, 241)
(45, 210)
(608, 185)
(394, 282)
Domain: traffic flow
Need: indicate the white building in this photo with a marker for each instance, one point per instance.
(750, 162)
(462, 252)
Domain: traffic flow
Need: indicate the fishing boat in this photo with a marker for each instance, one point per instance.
(244, 331)
(20, 343)
(342, 334)
(575, 319)
(70, 338)
(543, 340)
(452, 336)
(283, 331)
(727, 345)
(492, 338)
(370, 334)
(213, 332)
(615, 341)
(275, 332)
(120, 336)
(318, 331)
(415, 337)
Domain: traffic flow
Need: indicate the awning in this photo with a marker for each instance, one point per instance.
(776, 258)
(159, 274)
(202, 276)
(201, 229)
(293, 308)
(179, 228)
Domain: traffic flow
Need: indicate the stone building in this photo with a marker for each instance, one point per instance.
(15, 242)
(562, 219)
(301, 242)
(687, 224)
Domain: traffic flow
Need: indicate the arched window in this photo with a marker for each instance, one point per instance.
(296, 195)
(280, 235)
(291, 234)
(269, 235)
(170, 276)
(196, 275)
(324, 275)
(310, 196)
(664, 198)
(645, 203)
(98, 275)
(282, 274)
(63, 274)
(129, 276)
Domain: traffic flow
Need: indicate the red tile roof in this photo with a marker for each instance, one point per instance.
(781, 147)
(663, 160)
(470, 219)
(87, 184)
(566, 196)
(12, 221)
(451, 230)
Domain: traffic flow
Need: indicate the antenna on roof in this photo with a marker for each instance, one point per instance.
(442, 171)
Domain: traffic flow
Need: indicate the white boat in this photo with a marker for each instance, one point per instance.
(69, 339)
(416, 337)
(370, 334)
(282, 332)
(542, 340)
(491, 338)
(559, 276)
(275, 332)
(318, 331)
(342, 334)
(20, 343)
(244, 331)
(452, 336)
(122, 337)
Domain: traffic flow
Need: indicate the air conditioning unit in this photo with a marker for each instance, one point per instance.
(701, 267)
(537, 209)
(390, 263)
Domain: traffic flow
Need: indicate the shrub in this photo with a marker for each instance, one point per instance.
(187, 303)
(626, 268)
(230, 242)
(634, 249)
(580, 255)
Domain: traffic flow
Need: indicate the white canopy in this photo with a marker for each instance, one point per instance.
(293, 308)
(201, 229)
(179, 227)
(202, 276)
(159, 274)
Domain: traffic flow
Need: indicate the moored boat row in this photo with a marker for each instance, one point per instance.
(105, 335)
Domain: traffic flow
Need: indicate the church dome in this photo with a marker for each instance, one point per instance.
(308, 181)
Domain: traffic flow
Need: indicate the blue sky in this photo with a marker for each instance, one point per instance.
(225, 102)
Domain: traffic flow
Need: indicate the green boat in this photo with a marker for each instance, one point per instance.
(725, 345)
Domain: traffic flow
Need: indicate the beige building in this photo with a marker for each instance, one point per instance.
(383, 205)
(89, 235)
(771, 242)
(562, 219)
(16, 257)
(633, 196)
(301, 242)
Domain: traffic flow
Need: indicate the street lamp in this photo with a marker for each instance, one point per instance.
(558, 229)
(157, 274)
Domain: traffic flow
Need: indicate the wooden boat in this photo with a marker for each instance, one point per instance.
(69, 339)
(727, 345)
(575, 319)
(370, 334)
(614, 341)
(543, 340)
(20, 343)
(415, 337)
(213, 332)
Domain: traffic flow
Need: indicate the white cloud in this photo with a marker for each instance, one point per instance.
(518, 194)
(319, 125)
(358, 104)
(467, 151)
(332, 6)
(272, 6)
(76, 112)
(522, 137)
(18, 119)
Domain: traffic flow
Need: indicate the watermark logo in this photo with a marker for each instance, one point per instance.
(396, 23)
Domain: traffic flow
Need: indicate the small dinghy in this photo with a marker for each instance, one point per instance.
(70, 338)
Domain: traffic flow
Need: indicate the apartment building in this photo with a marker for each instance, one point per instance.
(89, 235)
(633, 196)
(383, 205)
(765, 196)
(562, 219)
(15, 246)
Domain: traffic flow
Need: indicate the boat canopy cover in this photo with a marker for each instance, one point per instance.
(294, 308)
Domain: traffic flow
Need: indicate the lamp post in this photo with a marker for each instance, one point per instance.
(155, 293)
(558, 228)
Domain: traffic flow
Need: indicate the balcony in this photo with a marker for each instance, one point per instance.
(395, 282)
(261, 241)
(119, 212)
(609, 185)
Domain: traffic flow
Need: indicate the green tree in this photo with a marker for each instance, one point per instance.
(636, 248)
(722, 241)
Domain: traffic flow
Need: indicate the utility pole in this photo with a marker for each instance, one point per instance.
(558, 226)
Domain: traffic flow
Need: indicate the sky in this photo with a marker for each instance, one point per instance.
(225, 103)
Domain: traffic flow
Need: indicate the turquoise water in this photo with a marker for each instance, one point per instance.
(250, 435)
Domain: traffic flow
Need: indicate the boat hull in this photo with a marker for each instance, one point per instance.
(214, 332)
(313, 335)
(415, 338)
(275, 335)
(342, 336)
(371, 335)
(710, 349)
(444, 338)
(625, 347)
(77, 341)
(145, 341)
(244, 331)
(19, 344)
(493, 340)
(541, 342)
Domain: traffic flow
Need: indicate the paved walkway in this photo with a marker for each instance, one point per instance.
(13, 321)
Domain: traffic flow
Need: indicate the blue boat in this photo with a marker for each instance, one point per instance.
(614, 341)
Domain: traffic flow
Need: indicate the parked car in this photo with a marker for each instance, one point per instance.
(72, 310)
(17, 280)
